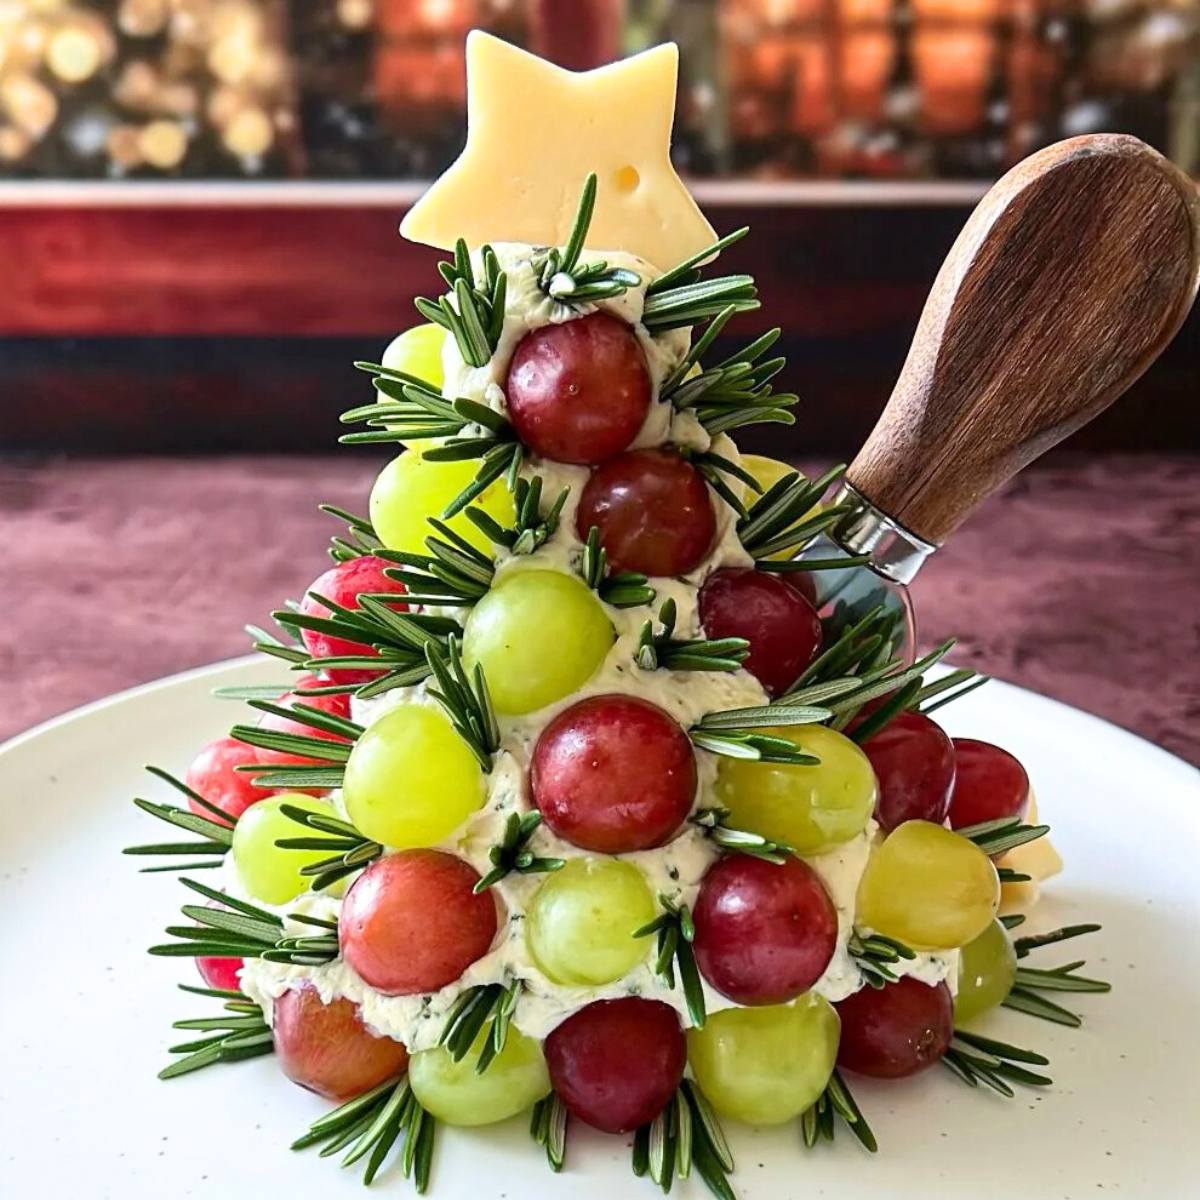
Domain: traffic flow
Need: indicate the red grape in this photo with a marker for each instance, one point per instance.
(614, 774)
(802, 582)
(764, 932)
(616, 1063)
(578, 392)
(212, 775)
(988, 784)
(327, 1048)
(343, 585)
(783, 629)
(914, 763)
(221, 973)
(411, 922)
(653, 511)
(337, 705)
(896, 1030)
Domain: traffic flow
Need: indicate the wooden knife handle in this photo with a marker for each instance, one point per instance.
(1070, 277)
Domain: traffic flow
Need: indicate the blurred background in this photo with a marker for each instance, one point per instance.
(198, 211)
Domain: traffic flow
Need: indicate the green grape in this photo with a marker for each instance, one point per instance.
(928, 887)
(418, 351)
(411, 489)
(411, 780)
(812, 808)
(767, 472)
(581, 921)
(986, 970)
(539, 636)
(267, 871)
(456, 1093)
(766, 1065)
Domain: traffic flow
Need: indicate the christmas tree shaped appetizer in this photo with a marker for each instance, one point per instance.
(572, 806)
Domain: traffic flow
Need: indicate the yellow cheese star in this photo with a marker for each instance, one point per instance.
(535, 132)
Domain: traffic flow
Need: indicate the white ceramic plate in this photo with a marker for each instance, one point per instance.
(85, 1013)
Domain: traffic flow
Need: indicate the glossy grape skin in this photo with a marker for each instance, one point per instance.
(782, 627)
(578, 392)
(269, 872)
(411, 780)
(897, 1030)
(581, 921)
(213, 775)
(343, 585)
(418, 352)
(989, 783)
(987, 967)
(616, 1063)
(539, 636)
(765, 932)
(613, 774)
(327, 1049)
(221, 973)
(653, 511)
(767, 1065)
(456, 1093)
(411, 922)
(914, 764)
(766, 472)
(411, 489)
(337, 705)
(810, 808)
(929, 888)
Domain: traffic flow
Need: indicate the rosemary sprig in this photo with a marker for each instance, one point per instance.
(414, 411)
(876, 955)
(532, 527)
(215, 832)
(473, 310)
(676, 932)
(625, 589)
(454, 573)
(548, 1127)
(512, 852)
(715, 467)
(398, 640)
(348, 850)
(1024, 946)
(490, 1004)
(1030, 984)
(360, 538)
(466, 699)
(976, 1059)
(912, 697)
(330, 756)
(685, 1135)
(1005, 833)
(682, 297)
(949, 688)
(239, 1033)
(663, 649)
(289, 651)
(820, 1121)
(371, 1124)
(737, 391)
(781, 519)
(238, 929)
(746, 732)
(739, 841)
(561, 275)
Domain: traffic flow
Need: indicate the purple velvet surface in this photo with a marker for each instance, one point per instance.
(1081, 581)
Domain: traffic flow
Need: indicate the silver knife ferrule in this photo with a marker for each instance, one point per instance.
(895, 552)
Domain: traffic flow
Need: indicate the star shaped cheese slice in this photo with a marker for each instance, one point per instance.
(535, 132)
